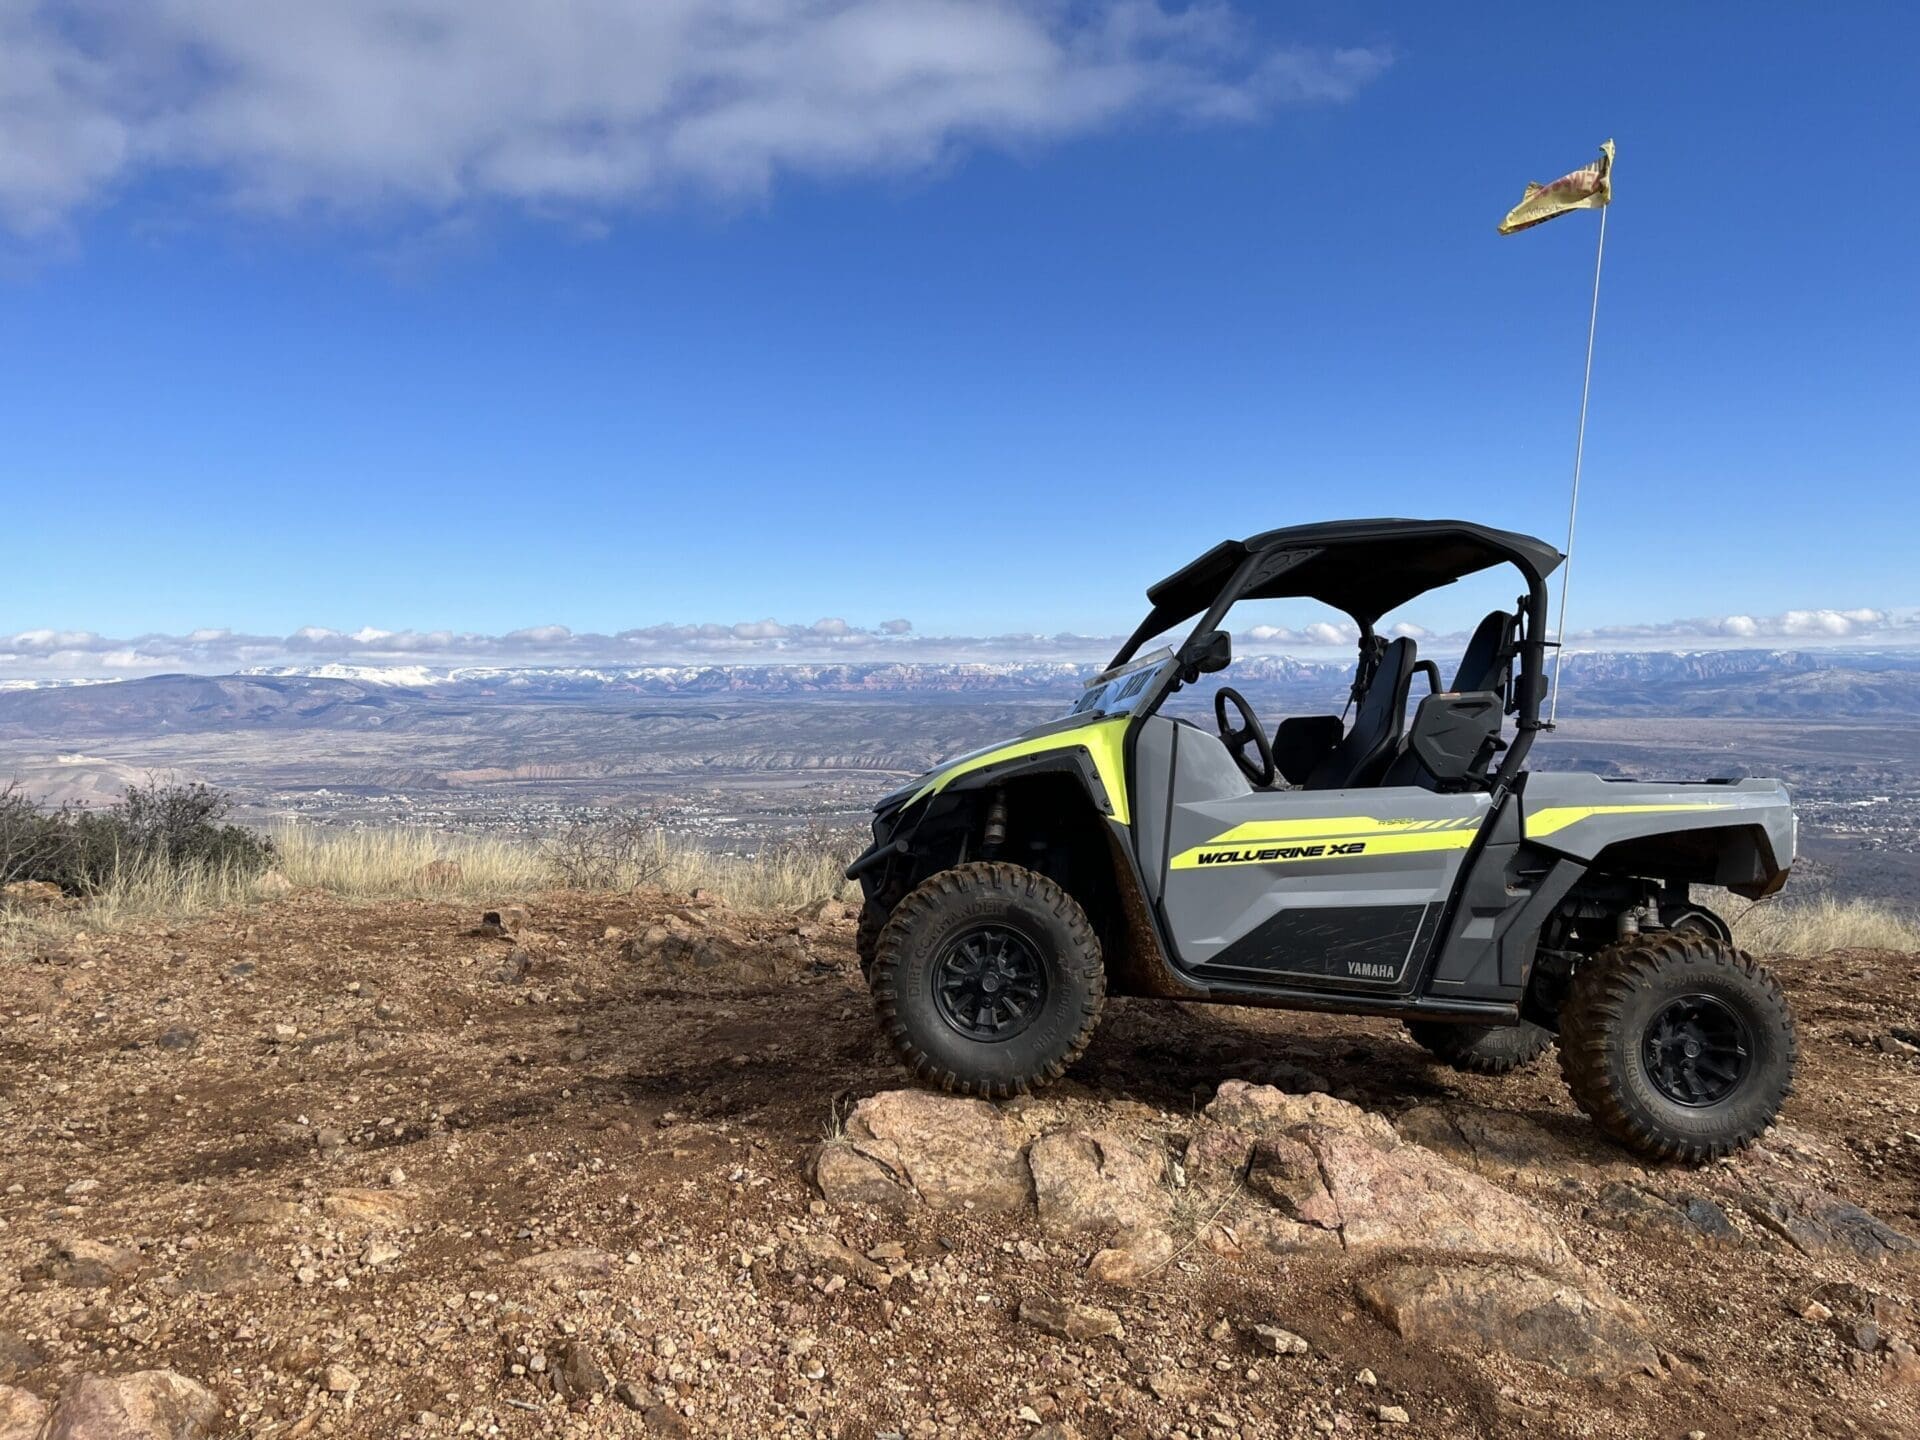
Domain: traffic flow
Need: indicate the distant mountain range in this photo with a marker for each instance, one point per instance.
(1798, 685)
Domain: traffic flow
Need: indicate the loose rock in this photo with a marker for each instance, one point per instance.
(1070, 1321)
(1279, 1341)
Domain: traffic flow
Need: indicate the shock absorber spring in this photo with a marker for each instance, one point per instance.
(995, 834)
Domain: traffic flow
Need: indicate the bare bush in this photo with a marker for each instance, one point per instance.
(620, 851)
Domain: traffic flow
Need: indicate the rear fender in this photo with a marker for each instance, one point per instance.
(1739, 835)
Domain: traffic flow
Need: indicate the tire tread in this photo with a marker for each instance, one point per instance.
(920, 904)
(1592, 1014)
(1466, 1047)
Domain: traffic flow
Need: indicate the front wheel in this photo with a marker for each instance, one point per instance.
(1678, 1045)
(988, 980)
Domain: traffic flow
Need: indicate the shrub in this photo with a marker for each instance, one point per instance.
(160, 828)
(610, 852)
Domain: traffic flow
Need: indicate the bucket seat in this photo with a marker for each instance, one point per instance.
(1366, 750)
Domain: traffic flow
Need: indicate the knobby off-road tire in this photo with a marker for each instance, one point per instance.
(1678, 1045)
(1482, 1049)
(988, 980)
(874, 911)
(866, 937)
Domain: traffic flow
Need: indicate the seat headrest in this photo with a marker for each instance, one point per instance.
(1391, 677)
(1485, 664)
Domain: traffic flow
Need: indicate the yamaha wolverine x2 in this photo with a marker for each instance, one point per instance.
(1404, 867)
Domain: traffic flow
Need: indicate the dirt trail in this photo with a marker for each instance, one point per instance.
(364, 1171)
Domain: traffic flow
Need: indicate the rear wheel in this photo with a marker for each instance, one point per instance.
(1678, 1045)
(988, 980)
(1482, 1049)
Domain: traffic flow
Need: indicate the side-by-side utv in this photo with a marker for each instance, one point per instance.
(1395, 866)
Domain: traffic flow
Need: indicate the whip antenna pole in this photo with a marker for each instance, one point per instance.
(1579, 451)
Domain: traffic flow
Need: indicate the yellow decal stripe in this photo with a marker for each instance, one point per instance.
(1101, 740)
(1324, 827)
(1555, 818)
(1287, 842)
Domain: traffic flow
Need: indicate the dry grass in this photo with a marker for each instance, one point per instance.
(375, 863)
(399, 863)
(381, 864)
(1819, 924)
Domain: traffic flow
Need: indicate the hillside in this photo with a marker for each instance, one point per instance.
(362, 1169)
(1784, 684)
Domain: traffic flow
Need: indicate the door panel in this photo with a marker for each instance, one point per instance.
(1311, 887)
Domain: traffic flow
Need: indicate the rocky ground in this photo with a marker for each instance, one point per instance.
(631, 1166)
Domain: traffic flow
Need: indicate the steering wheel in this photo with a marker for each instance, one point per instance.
(1235, 740)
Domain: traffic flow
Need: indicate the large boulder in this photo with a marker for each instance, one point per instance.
(1264, 1110)
(146, 1405)
(1097, 1182)
(1817, 1222)
(1585, 1332)
(34, 895)
(22, 1414)
(1646, 1211)
(854, 1181)
(1325, 1166)
(944, 1150)
(1511, 1148)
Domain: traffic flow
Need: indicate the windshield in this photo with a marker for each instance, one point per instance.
(1121, 689)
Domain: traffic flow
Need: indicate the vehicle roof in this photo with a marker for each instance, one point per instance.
(1363, 567)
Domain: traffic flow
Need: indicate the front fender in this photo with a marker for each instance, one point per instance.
(1096, 751)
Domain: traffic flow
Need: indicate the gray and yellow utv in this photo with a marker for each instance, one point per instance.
(1403, 867)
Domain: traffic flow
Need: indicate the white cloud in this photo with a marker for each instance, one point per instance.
(589, 105)
(214, 650)
(1817, 625)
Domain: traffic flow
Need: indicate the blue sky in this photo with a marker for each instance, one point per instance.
(1062, 297)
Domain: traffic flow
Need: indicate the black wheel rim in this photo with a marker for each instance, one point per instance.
(989, 982)
(1698, 1050)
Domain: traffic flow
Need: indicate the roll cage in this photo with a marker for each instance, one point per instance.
(1365, 569)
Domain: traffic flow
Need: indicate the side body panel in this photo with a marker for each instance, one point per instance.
(1316, 888)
